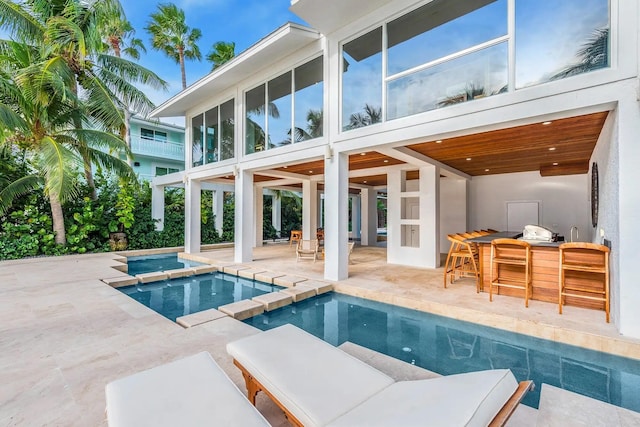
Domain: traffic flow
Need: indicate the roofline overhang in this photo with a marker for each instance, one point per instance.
(271, 49)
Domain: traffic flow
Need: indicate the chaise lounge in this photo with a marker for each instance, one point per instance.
(316, 384)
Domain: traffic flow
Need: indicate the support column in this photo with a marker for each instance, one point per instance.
(157, 206)
(309, 209)
(259, 215)
(192, 220)
(369, 216)
(276, 213)
(430, 215)
(336, 191)
(218, 209)
(244, 230)
(356, 220)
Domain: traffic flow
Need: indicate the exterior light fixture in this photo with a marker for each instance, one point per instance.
(439, 141)
(310, 171)
(552, 148)
(486, 170)
(363, 154)
(546, 123)
(386, 160)
(468, 159)
(555, 163)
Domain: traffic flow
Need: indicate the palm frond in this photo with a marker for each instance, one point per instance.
(130, 71)
(9, 119)
(16, 189)
(111, 163)
(16, 19)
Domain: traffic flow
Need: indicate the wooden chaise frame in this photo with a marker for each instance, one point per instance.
(501, 418)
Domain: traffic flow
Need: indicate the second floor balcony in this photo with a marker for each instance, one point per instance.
(145, 146)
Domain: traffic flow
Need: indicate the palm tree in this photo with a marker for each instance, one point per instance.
(593, 54)
(371, 115)
(38, 110)
(70, 31)
(220, 53)
(118, 34)
(171, 35)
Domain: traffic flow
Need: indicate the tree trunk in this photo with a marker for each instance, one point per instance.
(88, 174)
(127, 133)
(58, 219)
(182, 70)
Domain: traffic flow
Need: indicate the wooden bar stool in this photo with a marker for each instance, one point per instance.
(296, 236)
(586, 262)
(512, 255)
(462, 261)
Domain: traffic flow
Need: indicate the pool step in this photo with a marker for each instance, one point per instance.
(120, 281)
(234, 269)
(199, 318)
(274, 300)
(267, 276)
(204, 269)
(288, 281)
(250, 273)
(152, 277)
(179, 272)
(320, 287)
(242, 309)
(300, 292)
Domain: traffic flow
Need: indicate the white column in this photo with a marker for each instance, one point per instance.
(244, 230)
(336, 191)
(276, 213)
(369, 215)
(157, 206)
(625, 250)
(356, 222)
(218, 209)
(309, 209)
(258, 216)
(430, 215)
(192, 220)
(394, 228)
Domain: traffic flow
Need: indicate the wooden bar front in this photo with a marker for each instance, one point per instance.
(545, 270)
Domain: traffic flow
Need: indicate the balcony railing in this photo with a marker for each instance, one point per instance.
(157, 148)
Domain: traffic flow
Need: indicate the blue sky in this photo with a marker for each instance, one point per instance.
(241, 21)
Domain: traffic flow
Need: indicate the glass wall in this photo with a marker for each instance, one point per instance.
(555, 39)
(286, 109)
(452, 51)
(362, 81)
(212, 134)
(308, 97)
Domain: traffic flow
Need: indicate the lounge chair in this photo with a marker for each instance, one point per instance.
(316, 384)
(193, 391)
(307, 249)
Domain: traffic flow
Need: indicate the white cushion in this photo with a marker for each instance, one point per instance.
(471, 399)
(314, 380)
(193, 391)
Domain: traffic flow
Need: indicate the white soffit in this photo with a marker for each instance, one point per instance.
(328, 15)
(270, 50)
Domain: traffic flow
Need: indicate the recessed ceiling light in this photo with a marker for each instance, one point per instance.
(285, 167)
(364, 182)
(386, 160)
(468, 158)
(439, 141)
(227, 176)
(363, 154)
(486, 170)
(555, 163)
(310, 171)
(546, 123)
(552, 148)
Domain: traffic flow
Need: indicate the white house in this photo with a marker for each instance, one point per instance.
(456, 109)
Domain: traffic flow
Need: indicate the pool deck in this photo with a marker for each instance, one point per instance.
(64, 333)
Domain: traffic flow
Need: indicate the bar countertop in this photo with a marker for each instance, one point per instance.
(513, 235)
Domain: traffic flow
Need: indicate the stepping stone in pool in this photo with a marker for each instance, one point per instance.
(300, 292)
(199, 318)
(267, 276)
(320, 287)
(288, 281)
(204, 269)
(234, 269)
(120, 281)
(152, 277)
(179, 272)
(250, 273)
(273, 300)
(242, 309)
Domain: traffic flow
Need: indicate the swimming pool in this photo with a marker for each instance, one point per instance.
(448, 346)
(160, 262)
(179, 297)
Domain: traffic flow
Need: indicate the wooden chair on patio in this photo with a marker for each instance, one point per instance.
(307, 249)
(296, 236)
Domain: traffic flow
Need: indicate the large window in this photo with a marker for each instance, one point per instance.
(212, 135)
(286, 109)
(558, 39)
(151, 134)
(362, 81)
(452, 51)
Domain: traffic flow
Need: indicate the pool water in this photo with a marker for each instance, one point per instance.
(161, 262)
(448, 346)
(179, 297)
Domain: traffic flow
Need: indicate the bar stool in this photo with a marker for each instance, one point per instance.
(462, 260)
(296, 236)
(587, 258)
(511, 253)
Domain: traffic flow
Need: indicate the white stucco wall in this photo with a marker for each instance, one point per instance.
(564, 200)
(453, 209)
